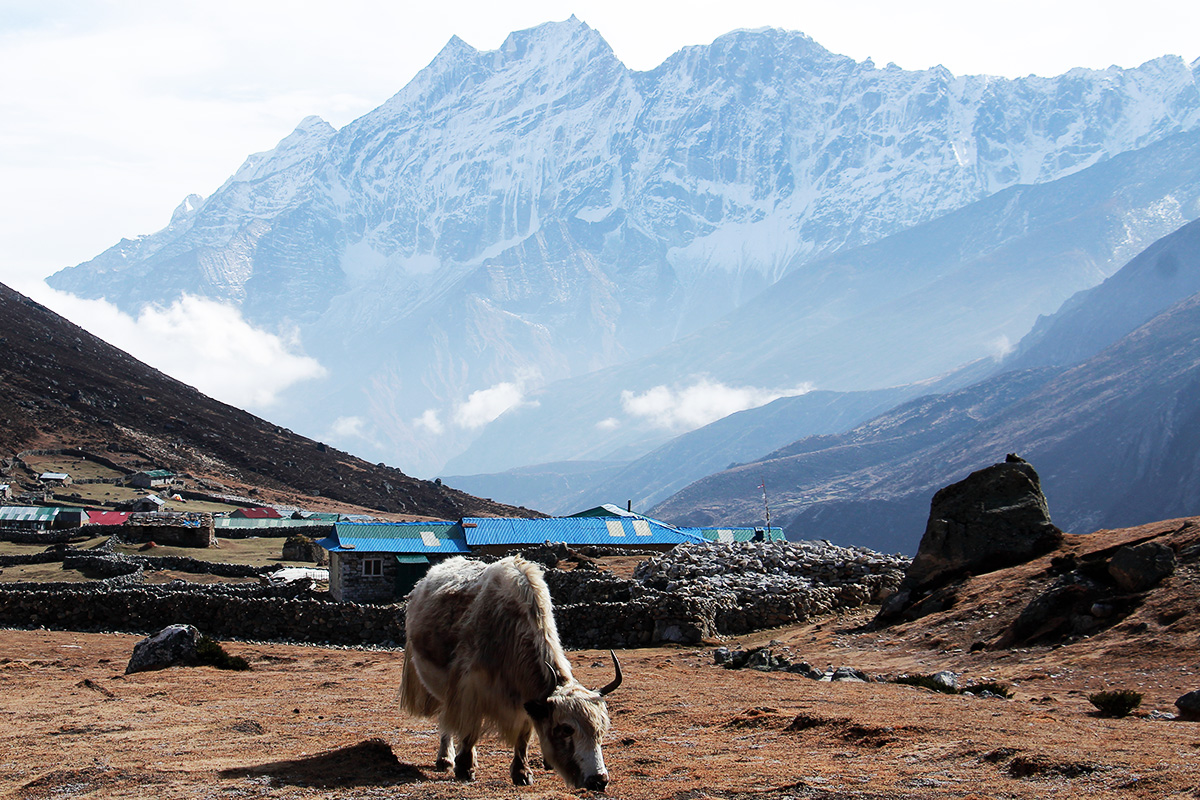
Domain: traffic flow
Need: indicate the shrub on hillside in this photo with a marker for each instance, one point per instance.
(1117, 703)
(211, 653)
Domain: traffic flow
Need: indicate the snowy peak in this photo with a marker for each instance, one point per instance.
(305, 142)
(555, 41)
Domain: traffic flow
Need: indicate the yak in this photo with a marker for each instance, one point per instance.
(482, 651)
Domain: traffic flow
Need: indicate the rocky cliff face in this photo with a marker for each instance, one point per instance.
(540, 211)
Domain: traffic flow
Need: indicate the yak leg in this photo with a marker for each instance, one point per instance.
(464, 762)
(445, 756)
(521, 776)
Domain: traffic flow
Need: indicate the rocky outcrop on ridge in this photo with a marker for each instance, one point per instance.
(994, 518)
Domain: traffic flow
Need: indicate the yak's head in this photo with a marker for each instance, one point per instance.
(571, 722)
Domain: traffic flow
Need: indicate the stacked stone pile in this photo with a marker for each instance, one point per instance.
(766, 584)
(588, 586)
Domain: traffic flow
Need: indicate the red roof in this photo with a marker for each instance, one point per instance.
(107, 517)
(256, 513)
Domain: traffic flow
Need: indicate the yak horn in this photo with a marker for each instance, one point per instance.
(615, 681)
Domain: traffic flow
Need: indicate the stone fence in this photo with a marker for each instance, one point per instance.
(681, 598)
(222, 615)
(18, 536)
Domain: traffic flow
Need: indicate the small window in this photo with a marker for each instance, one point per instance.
(372, 567)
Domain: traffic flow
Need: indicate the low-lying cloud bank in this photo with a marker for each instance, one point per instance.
(686, 408)
(482, 406)
(201, 342)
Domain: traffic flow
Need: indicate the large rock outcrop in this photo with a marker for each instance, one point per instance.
(994, 518)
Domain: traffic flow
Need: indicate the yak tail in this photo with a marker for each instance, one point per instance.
(414, 697)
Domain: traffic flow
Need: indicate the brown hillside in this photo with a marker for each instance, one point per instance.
(63, 387)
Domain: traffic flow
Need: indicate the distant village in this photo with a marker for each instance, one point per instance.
(369, 560)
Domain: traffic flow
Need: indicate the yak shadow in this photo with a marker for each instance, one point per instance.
(369, 763)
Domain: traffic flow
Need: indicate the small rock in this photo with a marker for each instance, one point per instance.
(849, 674)
(174, 644)
(946, 679)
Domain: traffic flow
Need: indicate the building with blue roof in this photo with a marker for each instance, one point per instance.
(380, 562)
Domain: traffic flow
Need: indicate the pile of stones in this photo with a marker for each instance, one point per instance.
(765, 584)
(765, 660)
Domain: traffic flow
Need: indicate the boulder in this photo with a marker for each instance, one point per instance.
(1137, 567)
(994, 518)
(1189, 706)
(174, 644)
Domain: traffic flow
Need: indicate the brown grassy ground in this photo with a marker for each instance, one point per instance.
(311, 722)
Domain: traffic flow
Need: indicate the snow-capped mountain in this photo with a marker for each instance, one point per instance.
(525, 215)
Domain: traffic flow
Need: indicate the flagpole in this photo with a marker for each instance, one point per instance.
(766, 507)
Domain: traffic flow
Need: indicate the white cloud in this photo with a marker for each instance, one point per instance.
(1000, 347)
(347, 428)
(705, 401)
(198, 341)
(485, 405)
(430, 421)
(608, 424)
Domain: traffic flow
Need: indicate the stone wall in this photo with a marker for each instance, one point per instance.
(349, 583)
(695, 593)
(19, 536)
(224, 613)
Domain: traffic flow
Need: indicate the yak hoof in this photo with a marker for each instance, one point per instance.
(442, 765)
(466, 775)
(522, 777)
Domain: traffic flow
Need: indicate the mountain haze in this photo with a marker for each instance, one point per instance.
(1114, 437)
(535, 213)
(911, 307)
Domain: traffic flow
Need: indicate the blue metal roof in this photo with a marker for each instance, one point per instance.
(630, 532)
(771, 534)
(396, 537)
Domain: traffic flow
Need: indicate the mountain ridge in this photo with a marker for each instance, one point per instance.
(545, 197)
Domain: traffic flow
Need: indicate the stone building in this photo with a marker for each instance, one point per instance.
(381, 562)
(151, 478)
(176, 529)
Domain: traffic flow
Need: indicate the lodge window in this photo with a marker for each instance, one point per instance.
(372, 567)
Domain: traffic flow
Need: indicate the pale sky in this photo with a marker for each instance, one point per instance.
(112, 111)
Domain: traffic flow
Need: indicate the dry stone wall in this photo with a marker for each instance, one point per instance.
(219, 614)
(693, 593)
